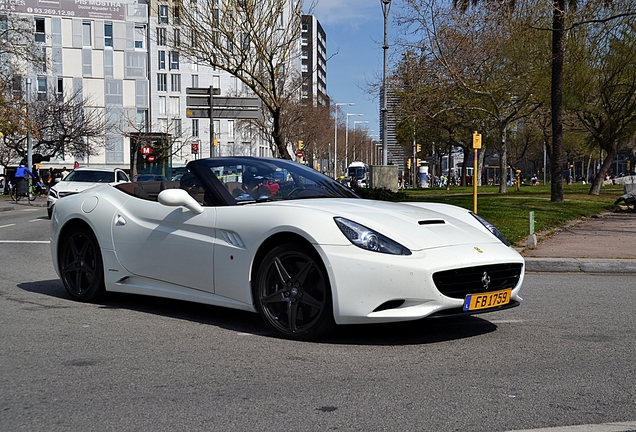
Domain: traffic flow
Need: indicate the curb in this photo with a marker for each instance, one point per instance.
(581, 265)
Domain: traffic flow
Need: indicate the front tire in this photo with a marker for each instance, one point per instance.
(292, 293)
(81, 266)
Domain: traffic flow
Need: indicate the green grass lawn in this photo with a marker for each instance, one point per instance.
(510, 212)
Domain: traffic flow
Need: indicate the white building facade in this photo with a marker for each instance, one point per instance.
(116, 53)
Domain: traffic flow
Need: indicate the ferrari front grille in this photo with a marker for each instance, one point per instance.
(460, 282)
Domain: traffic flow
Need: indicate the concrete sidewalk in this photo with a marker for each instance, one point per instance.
(602, 244)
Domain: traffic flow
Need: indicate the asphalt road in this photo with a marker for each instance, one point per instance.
(565, 357)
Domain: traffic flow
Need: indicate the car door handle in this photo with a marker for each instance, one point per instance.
(120, 221)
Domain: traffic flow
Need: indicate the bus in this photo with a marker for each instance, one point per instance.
(358, 174)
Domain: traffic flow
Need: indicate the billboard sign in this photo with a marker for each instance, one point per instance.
(97, 9)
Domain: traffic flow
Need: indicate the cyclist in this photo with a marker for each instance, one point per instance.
(21, 180)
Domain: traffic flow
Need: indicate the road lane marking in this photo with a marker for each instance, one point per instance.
(600, 427)
(27, 241)
(6, 226)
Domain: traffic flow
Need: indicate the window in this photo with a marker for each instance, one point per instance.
(195, 127)
(163, 14)
(162, 60)
(162, 84)
(142, 120)
(195, 80)
(162, 105)
(40, 33)
(175, 106)
(87, 62)
(86, 34)
(108, 34)
(41, 83)
(177, 37)
(161, 36)
(176, 14)
(178, 130)
(175, 83)
(140, 36)
(174, 60)
(230, 129)
(60, 89)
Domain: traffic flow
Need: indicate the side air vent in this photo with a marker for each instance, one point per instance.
(391, 304)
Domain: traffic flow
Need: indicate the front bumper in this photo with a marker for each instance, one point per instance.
(372, 287)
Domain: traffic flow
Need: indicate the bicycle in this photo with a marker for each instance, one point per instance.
(15, 196)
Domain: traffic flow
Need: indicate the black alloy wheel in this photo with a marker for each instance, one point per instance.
(292, 293)
(81, 267)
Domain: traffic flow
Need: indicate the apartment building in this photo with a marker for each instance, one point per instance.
(314, 61)
(118, 55)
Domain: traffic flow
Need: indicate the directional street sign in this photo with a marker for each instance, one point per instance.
(198, 101)
(198, 112)
(199, 104)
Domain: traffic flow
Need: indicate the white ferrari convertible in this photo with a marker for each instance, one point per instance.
(275, 237)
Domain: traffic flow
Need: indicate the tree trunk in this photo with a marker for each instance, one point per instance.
(595, 189)
(503, 160)
(556, 171)
(276, 134)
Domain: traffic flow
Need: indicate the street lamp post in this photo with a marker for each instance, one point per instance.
(29, 141)
(386, 5)
(355, 122)
(335, 138)
(347, 139)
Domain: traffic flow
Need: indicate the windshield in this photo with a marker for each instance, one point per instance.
(91, 176)
(250, 179)
(358, 172)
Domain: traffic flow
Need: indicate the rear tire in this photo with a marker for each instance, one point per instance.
(81, 265)
(292, 293)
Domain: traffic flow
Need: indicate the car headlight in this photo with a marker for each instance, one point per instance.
(368, 239)
(490, 227)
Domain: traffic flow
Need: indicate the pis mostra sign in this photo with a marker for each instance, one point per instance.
(97, 9)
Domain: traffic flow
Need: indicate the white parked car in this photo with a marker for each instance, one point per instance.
(81, 179)
(278, 238)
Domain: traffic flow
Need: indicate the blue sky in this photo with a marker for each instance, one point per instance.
(355, 32)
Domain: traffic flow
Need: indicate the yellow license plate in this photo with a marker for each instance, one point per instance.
(487, 300)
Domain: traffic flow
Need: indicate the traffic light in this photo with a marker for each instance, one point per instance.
(419, 161)
(408, 163)
(300, 145)
(419, 148)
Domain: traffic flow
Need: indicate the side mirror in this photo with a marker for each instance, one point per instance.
(178, 198)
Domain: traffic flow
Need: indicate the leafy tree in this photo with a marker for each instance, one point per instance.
(564, 19)
(482, 66)
(604, 100)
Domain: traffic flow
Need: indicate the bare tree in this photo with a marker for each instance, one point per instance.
(19, 50)
(258, 41)
(59, 125)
